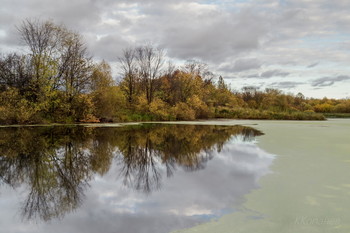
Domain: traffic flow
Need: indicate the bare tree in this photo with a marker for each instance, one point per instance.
(141, 66)
(59, 57)
(75, 67)
(42, 39)
(195, 67)
(128, 65)
(15, 71)
(198, 68)
(149, 62)
(170, 69)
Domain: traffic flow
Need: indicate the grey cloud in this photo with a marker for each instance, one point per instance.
(6, 19)
(252, 76)
(273, 73)
(344, 45)
(329, 81)
(77, 15)
(242, 65)
(213, 36)
(109, 47)
(74, 13)
(268, 74)
(8, 32)
(312, 65)
(286, 85)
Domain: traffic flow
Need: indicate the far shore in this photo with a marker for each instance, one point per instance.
(201, 121)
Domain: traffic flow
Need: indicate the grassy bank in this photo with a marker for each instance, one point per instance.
(337, 115)
(244, 113)
(219, 113)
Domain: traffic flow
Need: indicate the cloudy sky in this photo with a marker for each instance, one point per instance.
(293, 45)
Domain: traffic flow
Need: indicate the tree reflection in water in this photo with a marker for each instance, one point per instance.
(57, 163)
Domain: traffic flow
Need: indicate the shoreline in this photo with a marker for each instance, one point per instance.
(119, 124)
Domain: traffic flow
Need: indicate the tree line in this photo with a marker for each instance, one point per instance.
(56, 80)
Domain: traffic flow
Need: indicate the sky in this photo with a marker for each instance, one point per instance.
(293, 45)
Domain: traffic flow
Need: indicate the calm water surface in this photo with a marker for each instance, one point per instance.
(309, 190)
(141, 178)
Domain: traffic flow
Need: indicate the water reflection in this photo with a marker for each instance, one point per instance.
(56, 165)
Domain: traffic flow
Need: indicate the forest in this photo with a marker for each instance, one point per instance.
(55, 80)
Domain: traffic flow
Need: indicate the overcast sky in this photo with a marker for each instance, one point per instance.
(294, 45)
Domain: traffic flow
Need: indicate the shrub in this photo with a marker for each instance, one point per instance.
(200, 108)
(159, 109)
(15, 109)
(183, 112)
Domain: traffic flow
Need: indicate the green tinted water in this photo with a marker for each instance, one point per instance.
(309, 190)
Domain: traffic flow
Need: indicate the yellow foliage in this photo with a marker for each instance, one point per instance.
(15, 109)
(183, 112)
(160, 109)
(200, 108)
(107, 101)
(325, 107)
(83, 108)
(89, 118)
(142, 104)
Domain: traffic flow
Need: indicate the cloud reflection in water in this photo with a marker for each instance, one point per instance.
(148, 178)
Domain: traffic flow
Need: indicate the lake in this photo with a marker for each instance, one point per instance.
(210, 176)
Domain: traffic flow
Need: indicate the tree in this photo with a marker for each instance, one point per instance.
(75, 65)
(58, 56)
(198, 68)
(128, 65)
(221, 84)
(60, 64)
(15, 72)
(107, 97)
(42, 39)
(149, 64)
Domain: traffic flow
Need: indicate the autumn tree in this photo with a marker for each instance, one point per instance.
(61, 67)
(199, 68)
(15, 72)
(149, 66)
(75, 65)
(42, 40)
(107, 97)
(129, 71)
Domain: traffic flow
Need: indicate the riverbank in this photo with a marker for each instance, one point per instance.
(237, 114)
(337, 115)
